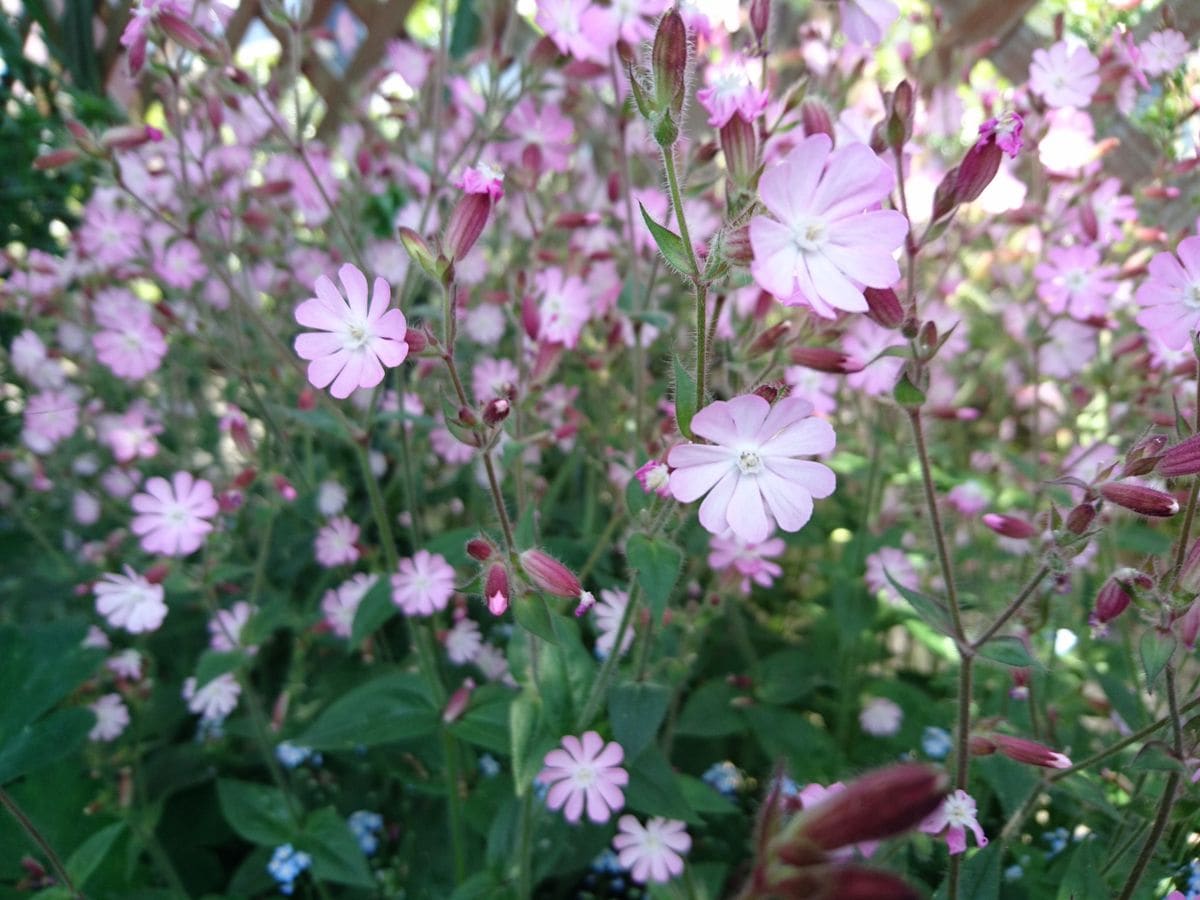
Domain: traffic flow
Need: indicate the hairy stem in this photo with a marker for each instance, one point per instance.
(30, 829)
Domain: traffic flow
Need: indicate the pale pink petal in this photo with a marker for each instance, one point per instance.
(322, 371)
(381, 299)
(776, 256)
(787, 188)
(790, 505)
(355, 283)
(350, 377)
(833, 286)
(315, 344)
(746, 514)
(816, 478)
(855, 178)
(713, 511)
(805, 438)
(315, 313)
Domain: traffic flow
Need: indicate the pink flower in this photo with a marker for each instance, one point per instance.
(1005, 130)
(564, 307)
(215, 700)
(335, 543)
(463, 641)
(585, 770)
(1163, 52)
(865, 21)
(955, 815)
(112, 718)
(544, 137)
(482, 178)
(132, 350)
(173, 516)
(578, 28)
(751, 471)
(1170, 297)
(226, 625)
(128, 435)
(180, 265)
(654, 477)
(493, 378)
(108, 235)
(880, 717)
(1073, 281)
(131, 602)
(607, 615)
(340, 604)
(354, 343)
(424, 584)
(29, 359)
(731, 91)
(826, 241)
(50, 417)
(651, 852)
(1063, 76)
(751, 561)
(127, 664)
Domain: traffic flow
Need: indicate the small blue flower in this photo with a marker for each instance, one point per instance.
(291, 755)
(936, 742)
(724, 777)
(286, 865)
(365, 826)
(607, 861)
(1058, 840)
(488, 766)
(1013, 873)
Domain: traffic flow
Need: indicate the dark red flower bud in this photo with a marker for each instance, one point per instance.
(945, 197)
(496, 411)
(549, 575)
(1030, 752)
(496, 591)
(768, 392)
(669, 59)
(815, 117)
(883, 307)
(1112, 600)
(770, 339)
(900, 116)
(480, 549)
(1189, 625)
(977, 170)
(56, 159)
(1139, 499)
(458, 702)
(1080, 518)
(825, 359)
(1182, 459)
(737, 247)
(1009, 526)
(1189, 574)
(978, 745)
(415, 339)
(466, 223)
(760, 20)
(739, 141)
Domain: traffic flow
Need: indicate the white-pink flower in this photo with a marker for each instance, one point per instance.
(1170, 297)
(173, 517)
(340, 604)
(578, 28)
(585, 771)
(336, 543)
(354, 342)
(1163, 52)
(751, 471)
(424, 584)
(731, 91)
(827, 240)
(607, 615)
(865, 21)
(751, 561)
(956, 814)
(225, 628)
(1064, 76)
(112, 718)
(564, 307)
(215, 700)
(131, 350)
(1073, 281)
(50, 417)
(654, 851)
(129, 601)
(881, 717)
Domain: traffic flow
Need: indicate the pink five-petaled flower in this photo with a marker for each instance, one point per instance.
(651, 852)
(731, 91)
(1073, 281)
(585, 769)
(423, 585)
(173, 516)
(130, 601)
(827, 240)
(354, 342)
(751, 470)
(1064, 76)
(956, 814)
(1170, 297)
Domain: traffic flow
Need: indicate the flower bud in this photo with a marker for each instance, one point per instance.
(129, 137)
(1182, 459)
(843, 883)
(1189, 574)
(56, 159)
(1189, 625)
(900, 116)
(878, 805)
(739, 141)
(419, 252)
(770, 339)
(480, 549)
(945, 197)
(531, 318)
(496, 591)
(1110, 603)
(466, 223)
(814, 116)
(415, 339)
(181, 32)
(978, 745)
(549, 575)
(496, 411)
(736, 246)
(1030, 752)
(669, 59)
(825, 359)
(976, 171)
(285, 488)
(883, 307)
(458, 702)
(1009, 526)
(760, 20)
(1139, 499)
(768, 392)
(1080, 518)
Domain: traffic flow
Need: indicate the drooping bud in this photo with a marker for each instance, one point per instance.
(458, 702)
(56, 159)
(129, 137)
(1189, 573)
(814, 116)
(770, 339)
(900, 116)
(1111, 601)
(1009, 526)
(480, 549)
(496, 591)
(1030, 752)
(1142, 500)
(669, 59)
(1182, 459)
(976, 171)
(978, 745)
(825, 359)
(878, 805)
(549, 575)
(883, 307)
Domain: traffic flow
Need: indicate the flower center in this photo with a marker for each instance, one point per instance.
(176, 515)
(1191, 295)
(749, 462)
(357, 335)
(585, 776)
(808, 236)
(957, 812)
(1076, 281)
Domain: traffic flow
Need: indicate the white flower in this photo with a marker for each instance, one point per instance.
(463, 642)
(112, 717)
(654, 851)
(215, 700)
(881, 717)
(131, 602)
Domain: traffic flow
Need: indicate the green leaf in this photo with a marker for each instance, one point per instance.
(703, 798)
(43, 742)
(811, 753)
(1155, 650)
(1083, 877)
(532, 614)
(374, 610)
(981, 874)
(387, 709)
(39, 666)
(654, 791)
(907, 394)
(657, 562)
(685, 397)
(215, 662)
(1009, 651)
(486, 722)
(335, 853)
(635, 711)
(258, 813)
(707, 712)
(931, 611)
(670, 244)
(464, 34)
(1156, 756)
(88, 855)
(529, 742)
(636, 498)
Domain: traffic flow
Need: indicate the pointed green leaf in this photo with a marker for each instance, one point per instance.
(933, 612)
(1156, 650)
(335, 853)
(685, 397)
(1007, 650)
(669, 243)
(387, 709)
(657, 562)
(635, 711)
(532, 614)
(375, 609)
(257, 812)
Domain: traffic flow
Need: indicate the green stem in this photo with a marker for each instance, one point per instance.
(26, 823)
(1013, 607)
(701, 288)
(454, 801)
(525, 848)
(701, 341)
(600, 685)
